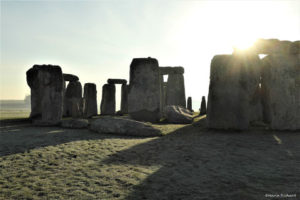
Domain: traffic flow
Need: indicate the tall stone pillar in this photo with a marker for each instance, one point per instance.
(74, 103)
(164, 94)
(203, 106)
(233, 82)
(64, 113)
(175, 88)
(144, 90)
(189, 104)
(161, 81)
(90, 100)
(46, 84)
(69, 78)
(281, 91)
(108, 102)
(124, 98)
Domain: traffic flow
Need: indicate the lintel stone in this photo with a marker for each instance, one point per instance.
(171, 70)
(116, 81)
(70, 77)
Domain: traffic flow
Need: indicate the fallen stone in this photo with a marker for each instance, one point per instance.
(144, 90)
(119, 112)
(70, 77)
(123, 126)
(75, 123)
(116, 81)
(178, 115)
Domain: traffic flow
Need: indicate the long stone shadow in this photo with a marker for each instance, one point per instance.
(199, 164)
(21, 136)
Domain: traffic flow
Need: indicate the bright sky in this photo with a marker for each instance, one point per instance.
(97, 40)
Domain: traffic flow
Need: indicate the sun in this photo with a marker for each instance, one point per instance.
(243, 43)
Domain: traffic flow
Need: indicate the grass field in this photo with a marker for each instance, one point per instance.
(15, 114)
(189, 162)
(13, 109)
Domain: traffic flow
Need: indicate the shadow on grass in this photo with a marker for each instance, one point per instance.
(195, 163)
(18, 136)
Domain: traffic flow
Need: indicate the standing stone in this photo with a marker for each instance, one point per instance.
(108, 102)
(275, 46)
(124, 99)
(233, 83)
(144, 90)
(74, 104)
(281, 91)
(64, 113)
(295, 48)
(90, 100)
(203, 106)
(161, 80)
(175, 88)
(164, 95)
(46, 84)
(189, 104)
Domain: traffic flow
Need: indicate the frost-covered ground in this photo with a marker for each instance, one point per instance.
(190, 162)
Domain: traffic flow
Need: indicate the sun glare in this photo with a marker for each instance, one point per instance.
(243, 43)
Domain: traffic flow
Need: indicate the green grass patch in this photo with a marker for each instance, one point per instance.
(14, 114)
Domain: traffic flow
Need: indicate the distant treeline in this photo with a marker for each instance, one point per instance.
(14, 105)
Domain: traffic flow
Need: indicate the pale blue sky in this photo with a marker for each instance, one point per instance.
(97, 40)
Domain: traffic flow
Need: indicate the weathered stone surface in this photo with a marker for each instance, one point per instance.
(64, 99)
(281, 91)
(123, 126)
(108, 102)
(46, 83)
(90, 100)
(144, 90)
(275, 46)
(116, 81)
(175, 94)
(203, 106)
(189, 104)
(295, 47)
(70, 77)
(74, 89)
(178, 115)
(161, 90)
(171, 70)
(73, 99)
(124, 99)
(164, 94)
(75, 123)
(233, 83)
